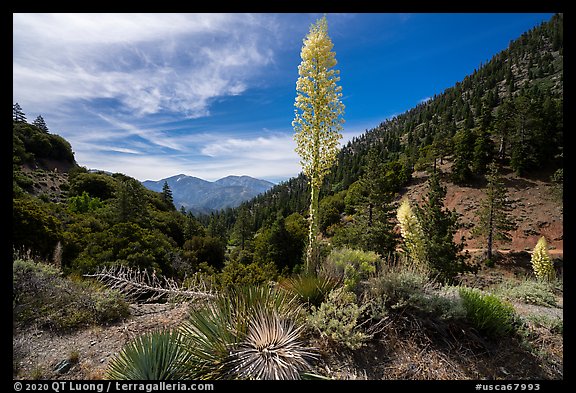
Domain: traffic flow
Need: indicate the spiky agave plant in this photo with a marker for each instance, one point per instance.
(271, 349)
(246, 333)
(154, 356)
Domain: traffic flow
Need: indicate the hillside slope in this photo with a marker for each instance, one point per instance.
(536, 207)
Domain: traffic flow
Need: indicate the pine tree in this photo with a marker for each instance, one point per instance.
(439, 225)
(41, 124)
(504, 126)
(318, 124)
(493, 219)
(483, 151)
(463, 155)
(17, 114)
(541, 262)
(243, 228)
(376, 213)
(167, 194)
(523, 150)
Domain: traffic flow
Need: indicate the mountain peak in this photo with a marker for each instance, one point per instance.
(202, 196)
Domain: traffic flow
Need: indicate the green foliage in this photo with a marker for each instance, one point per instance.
(34, 226)
(528, 291)
(408, 287)
(43, 297)
(350, 266)
(204, 249)
(97, 185)
(156, 356)
(34, 144)
(493, 221)
(310, 289)
(330, 209)
(246, 325)
(283, 243)
(127, 244)
(338, 319)
(541, 262)
(235, 273)
(488, 313)
(442, 254)
(83, 203)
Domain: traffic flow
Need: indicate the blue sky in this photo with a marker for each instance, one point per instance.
(211, 95)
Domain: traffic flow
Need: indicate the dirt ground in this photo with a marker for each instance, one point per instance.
(38, 353)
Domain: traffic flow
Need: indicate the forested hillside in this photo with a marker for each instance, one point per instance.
(510, 109)
(478, 166)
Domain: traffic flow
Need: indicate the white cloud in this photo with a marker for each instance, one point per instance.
(148, 63)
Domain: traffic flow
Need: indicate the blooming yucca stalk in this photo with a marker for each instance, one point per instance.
(272, 349)
(411, 231)
(541, 262)
(317, 119)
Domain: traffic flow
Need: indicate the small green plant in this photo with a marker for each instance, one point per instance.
(338, 319)
(541, 261)
(310, 289)
(488, 313)
(409, 287)
(153, 356)
(350, 265)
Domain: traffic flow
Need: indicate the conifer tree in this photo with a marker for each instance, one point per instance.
(17, 114)
(41, 124)
(375, 216)
(167, 194)
(243, 228)
(493, 220)
(439, 225)
(318, 118)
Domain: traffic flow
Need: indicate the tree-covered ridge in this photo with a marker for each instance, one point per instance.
(510, 109)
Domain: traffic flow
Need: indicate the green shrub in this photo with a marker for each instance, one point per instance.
(309, 289)
(337, 319)
(42, 296)
(488, 313)
(408, 287)
(235, 273)
(528, 291)
(350, 265)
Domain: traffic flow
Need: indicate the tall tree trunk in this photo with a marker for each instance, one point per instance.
(490, 232)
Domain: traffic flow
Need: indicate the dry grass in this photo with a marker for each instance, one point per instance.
(411, 348)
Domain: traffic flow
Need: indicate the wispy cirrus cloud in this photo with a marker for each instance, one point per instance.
(146, 63)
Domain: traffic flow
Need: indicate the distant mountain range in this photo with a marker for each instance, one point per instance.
(202, 196)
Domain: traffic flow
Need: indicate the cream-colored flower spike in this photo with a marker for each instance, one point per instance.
(318, 115)
(541, 261)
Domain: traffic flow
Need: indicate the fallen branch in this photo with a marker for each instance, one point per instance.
(143, 286)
